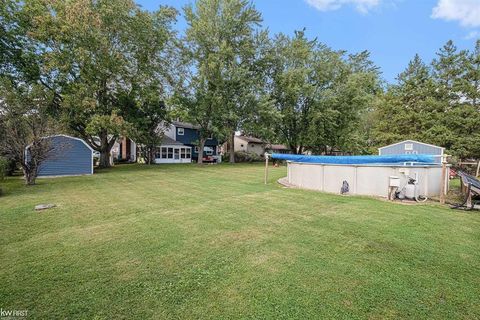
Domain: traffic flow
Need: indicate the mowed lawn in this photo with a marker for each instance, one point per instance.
(188, 241)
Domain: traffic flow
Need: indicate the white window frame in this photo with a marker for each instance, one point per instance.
(181, 131)
(164, 153)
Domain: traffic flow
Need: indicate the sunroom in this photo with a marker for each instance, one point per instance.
(172, 151)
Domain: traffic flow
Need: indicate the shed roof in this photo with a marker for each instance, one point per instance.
(410, 141)
(65, 136)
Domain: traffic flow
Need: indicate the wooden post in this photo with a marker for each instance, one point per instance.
(478, 169)
(443, 180)
(266, 167)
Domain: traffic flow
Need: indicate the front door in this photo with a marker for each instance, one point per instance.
(177, 154)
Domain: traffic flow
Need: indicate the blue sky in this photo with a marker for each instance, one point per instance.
(392, 30)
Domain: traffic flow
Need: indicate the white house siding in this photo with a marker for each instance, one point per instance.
(162, 157)
(246, 146)
(256, 148)
(240, 144)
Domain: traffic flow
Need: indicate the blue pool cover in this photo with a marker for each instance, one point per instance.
(390, 159)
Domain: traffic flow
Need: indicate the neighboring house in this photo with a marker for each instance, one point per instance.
(257, 146)
(412, 147)
(124, 150)
(69, 156)
(179, 145)
(249, 144)
(188, 134)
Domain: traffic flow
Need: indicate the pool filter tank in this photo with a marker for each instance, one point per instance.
(411, 189)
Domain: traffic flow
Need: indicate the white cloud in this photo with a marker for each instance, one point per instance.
(362, 6)
(467, 12)
(475, 34)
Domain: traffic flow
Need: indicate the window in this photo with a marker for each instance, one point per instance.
(408, 146)
(157, 153)
(177, 153)
(164, 153)
(188, 153)
(170, 153)
(196, 149)
(183, 153)
(181, 131)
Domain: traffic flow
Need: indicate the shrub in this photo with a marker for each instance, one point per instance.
(241, 156)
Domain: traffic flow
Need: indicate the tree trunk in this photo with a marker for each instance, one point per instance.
(231, 147)
(201, 146)
(293, 148)
(105, 151)
(104, 159)
(30, 176)
(151, 155)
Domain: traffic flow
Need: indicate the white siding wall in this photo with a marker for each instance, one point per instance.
(239, 144)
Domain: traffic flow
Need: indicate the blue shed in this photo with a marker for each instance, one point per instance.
(69, 156)
(412, 147)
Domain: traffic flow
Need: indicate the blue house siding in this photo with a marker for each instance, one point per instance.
(190, 138)
(417, 148)
(70, 156)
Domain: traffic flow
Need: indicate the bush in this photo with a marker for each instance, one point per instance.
(241, 156)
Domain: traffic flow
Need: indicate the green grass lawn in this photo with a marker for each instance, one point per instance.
(188, 241)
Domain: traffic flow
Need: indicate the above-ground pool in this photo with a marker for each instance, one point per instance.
(371, 178)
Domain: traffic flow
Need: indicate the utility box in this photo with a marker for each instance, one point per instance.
(394, 181)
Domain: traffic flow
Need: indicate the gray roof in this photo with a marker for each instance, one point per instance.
(250, 139)
(185, 125)
(278, 147)
(169, 141)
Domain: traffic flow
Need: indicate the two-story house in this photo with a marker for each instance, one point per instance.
(180, 145)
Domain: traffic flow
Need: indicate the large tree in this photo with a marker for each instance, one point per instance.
(223, 48)
(410, 108)
(436, 103)
(98, 56)
(321, 94)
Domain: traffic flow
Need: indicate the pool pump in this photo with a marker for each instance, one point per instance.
(409, 191)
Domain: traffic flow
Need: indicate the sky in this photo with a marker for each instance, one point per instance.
(392, 30)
